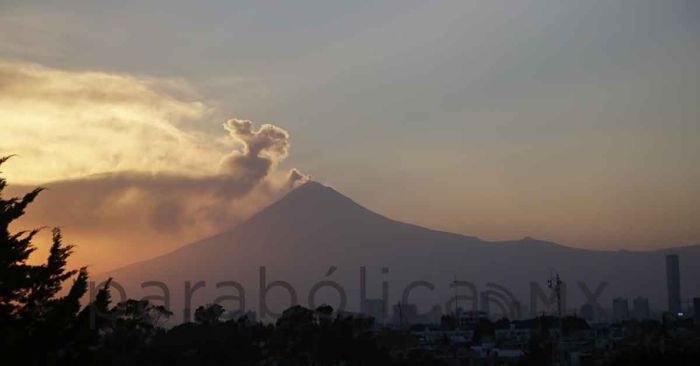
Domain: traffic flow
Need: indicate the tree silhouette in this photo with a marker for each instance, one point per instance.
(208, 314)
(42, 323)
(31, 313)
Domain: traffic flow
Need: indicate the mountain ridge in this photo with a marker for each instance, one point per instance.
(315, 189)
(314, 228)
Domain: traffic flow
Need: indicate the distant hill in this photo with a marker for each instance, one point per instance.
(315, 233)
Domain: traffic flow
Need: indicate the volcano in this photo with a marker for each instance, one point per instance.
(315, 237)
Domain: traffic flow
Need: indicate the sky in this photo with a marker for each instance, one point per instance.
(571, 121)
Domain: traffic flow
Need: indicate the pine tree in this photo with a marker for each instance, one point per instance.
(14, 252)
(34, 320)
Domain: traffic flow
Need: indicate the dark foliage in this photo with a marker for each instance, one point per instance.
(41, 326)
(208, 314)
(35, 320)
(42, 323)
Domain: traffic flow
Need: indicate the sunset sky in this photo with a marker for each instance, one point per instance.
(571, 121)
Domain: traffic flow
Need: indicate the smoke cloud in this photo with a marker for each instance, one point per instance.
(262, 149)
(128, 175)
(153, 212)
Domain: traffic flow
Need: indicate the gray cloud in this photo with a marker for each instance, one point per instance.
(296, 178)
(262, 149)
(158, 210)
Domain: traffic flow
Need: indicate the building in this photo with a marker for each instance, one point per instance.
(468, 319)
(429, 336)
(673, 283)
(515, 332)
(621, 309)
(519, 332)
(640, 308)
(375, 308)
(696, 310)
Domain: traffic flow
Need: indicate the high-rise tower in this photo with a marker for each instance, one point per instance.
(673, 282)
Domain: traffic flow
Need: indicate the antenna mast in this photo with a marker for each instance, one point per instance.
(456, 296)
(554, 283)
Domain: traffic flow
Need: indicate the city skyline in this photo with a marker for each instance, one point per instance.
(329, 183)
(573, 123)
